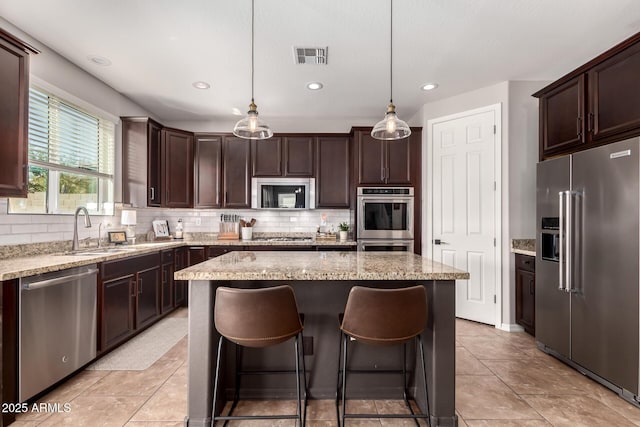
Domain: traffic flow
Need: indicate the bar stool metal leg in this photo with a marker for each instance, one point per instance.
(215, 383)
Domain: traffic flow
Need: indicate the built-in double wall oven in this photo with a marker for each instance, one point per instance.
(385, 218)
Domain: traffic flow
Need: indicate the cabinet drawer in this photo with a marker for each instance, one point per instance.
(167, 256)
(120, 268)
(525, 262)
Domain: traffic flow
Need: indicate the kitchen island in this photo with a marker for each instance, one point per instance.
(321, 282)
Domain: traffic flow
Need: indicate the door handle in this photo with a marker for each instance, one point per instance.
(561, 241)
(439, 242)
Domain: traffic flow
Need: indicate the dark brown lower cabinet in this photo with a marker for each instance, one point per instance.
(128, 298)
(147, 309)
(526, 293)
(180, 287)
(9, 353)
(167, 291)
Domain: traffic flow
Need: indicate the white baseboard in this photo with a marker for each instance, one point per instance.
(510, 327)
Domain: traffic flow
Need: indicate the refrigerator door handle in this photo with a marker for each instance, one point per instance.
(561, 238)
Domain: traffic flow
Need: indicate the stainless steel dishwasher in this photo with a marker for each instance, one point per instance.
(57, 327)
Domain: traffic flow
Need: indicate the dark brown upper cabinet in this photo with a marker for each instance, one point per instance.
(267, 157)
(332, 172)
(385, 162)
(177, 167)
(14, 116)
(562, 117)
(283, 155)
(141, 162)
(208, 170)
(615, 94)
(236, 169)
(596, 104)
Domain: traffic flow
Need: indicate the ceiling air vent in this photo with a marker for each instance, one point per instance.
(310, 55)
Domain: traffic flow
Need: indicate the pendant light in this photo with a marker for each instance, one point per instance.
(391, 127)
(252, 127)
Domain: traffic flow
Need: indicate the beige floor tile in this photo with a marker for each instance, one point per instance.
(178, 351)
(97, 411)
(154, 424)
(169, 403)
(468, 364)
(396, 407)
(576, 411)
(180, 312)
(461, 421)
(508, 423)
(534, 377)
(486, 397)
(521, 340)
(467, 327)
(135, 383)
(618, 404)
(488, 347)
(321, 410)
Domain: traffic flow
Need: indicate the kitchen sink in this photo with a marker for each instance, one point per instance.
(98, 251)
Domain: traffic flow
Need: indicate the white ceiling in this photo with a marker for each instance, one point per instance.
(158, 48)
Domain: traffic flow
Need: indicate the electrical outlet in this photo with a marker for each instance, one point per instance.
(198, 220)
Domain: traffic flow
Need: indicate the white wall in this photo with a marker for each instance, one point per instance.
(519, 156)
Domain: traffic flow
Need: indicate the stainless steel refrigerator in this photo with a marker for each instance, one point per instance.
(587, 263)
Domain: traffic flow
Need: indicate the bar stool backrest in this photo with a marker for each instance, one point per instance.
(257, 317)
(385, 316)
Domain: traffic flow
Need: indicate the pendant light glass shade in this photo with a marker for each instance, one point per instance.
(252, 127)
(391, 127)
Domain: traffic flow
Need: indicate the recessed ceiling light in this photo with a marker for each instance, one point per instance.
(99, 60)
(314, 86)
(429, 86)
(201, 85)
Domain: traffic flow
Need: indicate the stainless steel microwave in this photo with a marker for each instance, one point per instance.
(283, 193)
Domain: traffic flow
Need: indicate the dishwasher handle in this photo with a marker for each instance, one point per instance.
(57, 280)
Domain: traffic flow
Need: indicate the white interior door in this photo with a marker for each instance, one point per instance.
(463, 188)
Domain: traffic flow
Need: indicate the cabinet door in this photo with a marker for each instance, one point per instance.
(298, 156)
(562, 113)
(147, 307)
(14, 108)
(208, 171)
(371, 158)
(525, 299)
(154, 164)
(332, 172)
(267, 157)
(216, 251)
(167, 288)
(197, 254)
(615, 94)
(397, 169)
(180, 286)
(237, 172)
(117, 310)
(177, 157)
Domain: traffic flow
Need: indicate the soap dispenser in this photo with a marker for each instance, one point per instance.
(179, 229)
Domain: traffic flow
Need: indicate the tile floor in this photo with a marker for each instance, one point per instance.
(502, 380)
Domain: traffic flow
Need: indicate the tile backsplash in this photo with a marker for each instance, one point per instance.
(19, 229)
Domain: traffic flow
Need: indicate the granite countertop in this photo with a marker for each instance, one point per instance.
(273, 265)
(23, 266)
(523, 246)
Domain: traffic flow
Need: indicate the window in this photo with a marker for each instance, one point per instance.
(71, 159)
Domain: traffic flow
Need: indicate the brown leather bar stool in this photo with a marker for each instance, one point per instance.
(382, 317)
(259, 318)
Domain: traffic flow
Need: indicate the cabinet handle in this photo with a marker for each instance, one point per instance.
(139, 286)
(578, 122)
(382, 175)
(531, 287)
(152, 190)
(134, 288)
(590, 122)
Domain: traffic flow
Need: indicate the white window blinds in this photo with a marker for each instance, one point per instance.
(64, 137)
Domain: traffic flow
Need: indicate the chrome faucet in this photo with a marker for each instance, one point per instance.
(87, 224)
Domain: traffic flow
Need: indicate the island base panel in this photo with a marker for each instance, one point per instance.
(321, 302)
